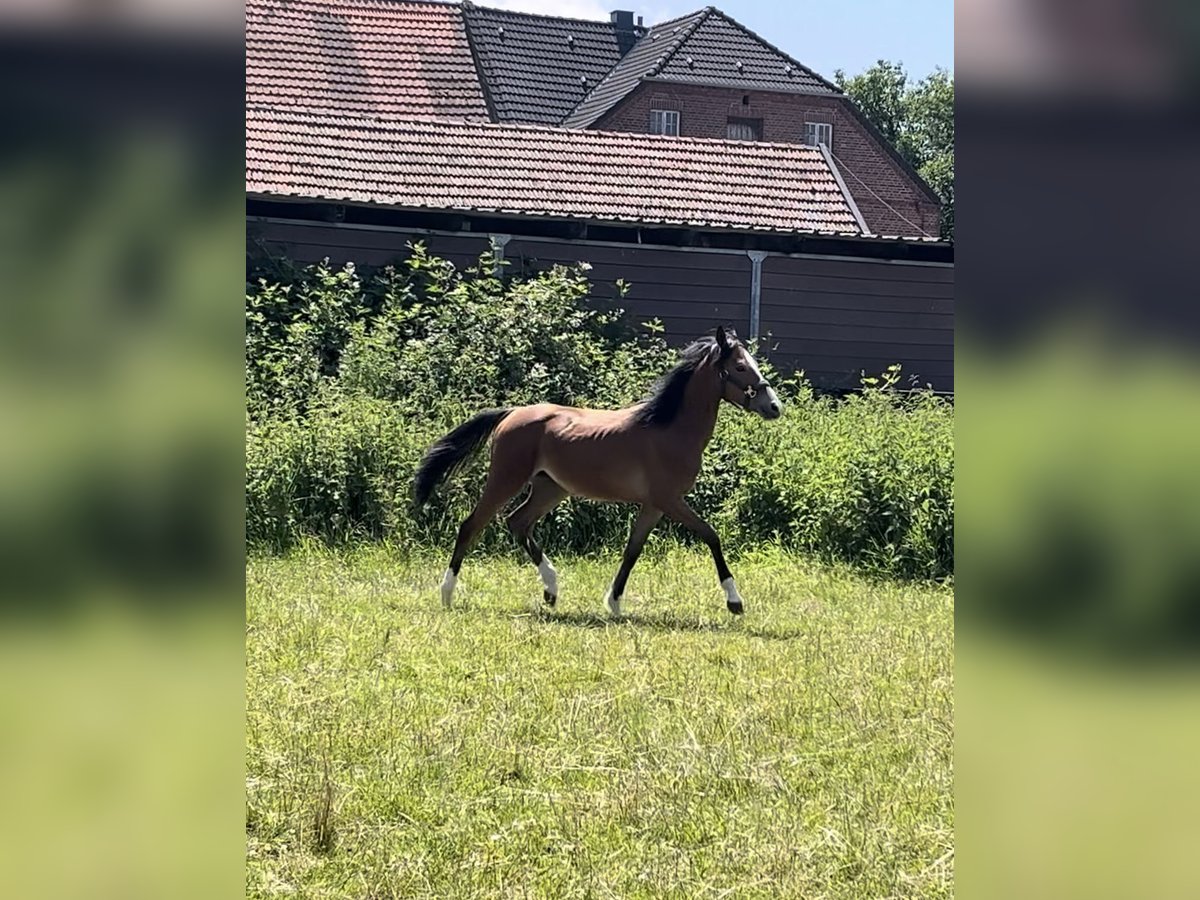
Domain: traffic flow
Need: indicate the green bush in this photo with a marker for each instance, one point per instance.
(422, 335)
(350, 377)
(867, 479)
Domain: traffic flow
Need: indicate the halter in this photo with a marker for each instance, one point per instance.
(750, 391)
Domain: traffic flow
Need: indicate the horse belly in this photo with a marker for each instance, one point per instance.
(593, 454)
(611, 480)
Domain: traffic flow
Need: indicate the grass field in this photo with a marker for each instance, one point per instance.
(397, 750)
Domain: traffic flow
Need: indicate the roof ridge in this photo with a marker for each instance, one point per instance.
(681, 39)
(409, 122)
(698, 15)
(483, 67)
(758, 37)
(468, 4)
(680, 18)
(447, 3)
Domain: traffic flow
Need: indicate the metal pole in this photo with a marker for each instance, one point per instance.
(756, 259)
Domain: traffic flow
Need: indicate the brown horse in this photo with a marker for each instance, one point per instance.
(647, 454)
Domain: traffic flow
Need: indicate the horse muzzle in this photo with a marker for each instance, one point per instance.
(764, 401)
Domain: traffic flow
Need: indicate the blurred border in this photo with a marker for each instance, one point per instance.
(121, 415)
(1078, 431)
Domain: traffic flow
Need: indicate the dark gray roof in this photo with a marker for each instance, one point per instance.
(703, 47)
(646, 58)
(533, 69)
(718, 43)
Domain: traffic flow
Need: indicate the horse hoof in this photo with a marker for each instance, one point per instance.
(613, 604)
(735, 608)
(549, 598)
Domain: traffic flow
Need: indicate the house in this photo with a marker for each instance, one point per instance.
(700, 75)
(692, 159)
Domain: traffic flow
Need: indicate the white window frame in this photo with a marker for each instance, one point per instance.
(816, 133)
(664, 121)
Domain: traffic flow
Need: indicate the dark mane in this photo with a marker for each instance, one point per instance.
(665, 399)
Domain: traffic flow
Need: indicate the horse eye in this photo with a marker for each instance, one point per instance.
(741, 367)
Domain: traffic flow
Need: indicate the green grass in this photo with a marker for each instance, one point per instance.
(398, 750)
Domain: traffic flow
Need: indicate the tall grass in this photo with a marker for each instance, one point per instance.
(397, 750)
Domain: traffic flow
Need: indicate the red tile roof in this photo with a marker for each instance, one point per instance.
(362, 56)
(602, 176)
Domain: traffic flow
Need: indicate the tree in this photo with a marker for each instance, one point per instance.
(918, 120)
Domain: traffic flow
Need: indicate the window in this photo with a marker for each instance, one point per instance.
(744, 129)
(664, 121)
(818, 133)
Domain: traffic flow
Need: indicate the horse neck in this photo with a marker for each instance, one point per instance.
(702, 399)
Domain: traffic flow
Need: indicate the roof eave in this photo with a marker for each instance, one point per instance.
(559, 217)
(759, 86)
(896, 155)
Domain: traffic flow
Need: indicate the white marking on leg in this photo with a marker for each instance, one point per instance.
(613, 603)
(549, 576)
(448, 582)
(732, 597)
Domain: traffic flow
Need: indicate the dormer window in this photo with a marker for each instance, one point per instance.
(664, 121)
(818, 133)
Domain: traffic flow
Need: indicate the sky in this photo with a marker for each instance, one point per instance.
(824, 35)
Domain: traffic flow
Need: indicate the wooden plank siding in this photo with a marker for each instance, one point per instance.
(308, 242)
(690, 292)
(833, 318)
(836, 319)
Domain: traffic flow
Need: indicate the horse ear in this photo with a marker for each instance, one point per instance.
(722, 338)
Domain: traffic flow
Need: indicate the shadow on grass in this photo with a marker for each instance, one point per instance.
(659, 622)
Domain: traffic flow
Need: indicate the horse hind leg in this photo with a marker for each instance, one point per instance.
(504, 481)
(647, 518)
(544, 495)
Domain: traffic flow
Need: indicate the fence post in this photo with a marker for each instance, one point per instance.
(756, 260)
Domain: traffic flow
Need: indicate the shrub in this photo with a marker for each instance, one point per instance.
(422, 334)
(350, 377)
(867, 479)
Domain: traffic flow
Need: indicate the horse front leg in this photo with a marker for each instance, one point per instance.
(686, 516)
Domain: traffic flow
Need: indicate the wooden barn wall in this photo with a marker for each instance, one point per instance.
(837, 318)
(689, 292)
(363, 245)
(834, 318)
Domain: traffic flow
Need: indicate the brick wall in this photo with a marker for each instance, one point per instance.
(705, 112)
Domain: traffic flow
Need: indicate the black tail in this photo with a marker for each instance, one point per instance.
(445, 456)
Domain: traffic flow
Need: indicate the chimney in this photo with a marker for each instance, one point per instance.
(627, 34)
(622, 19)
